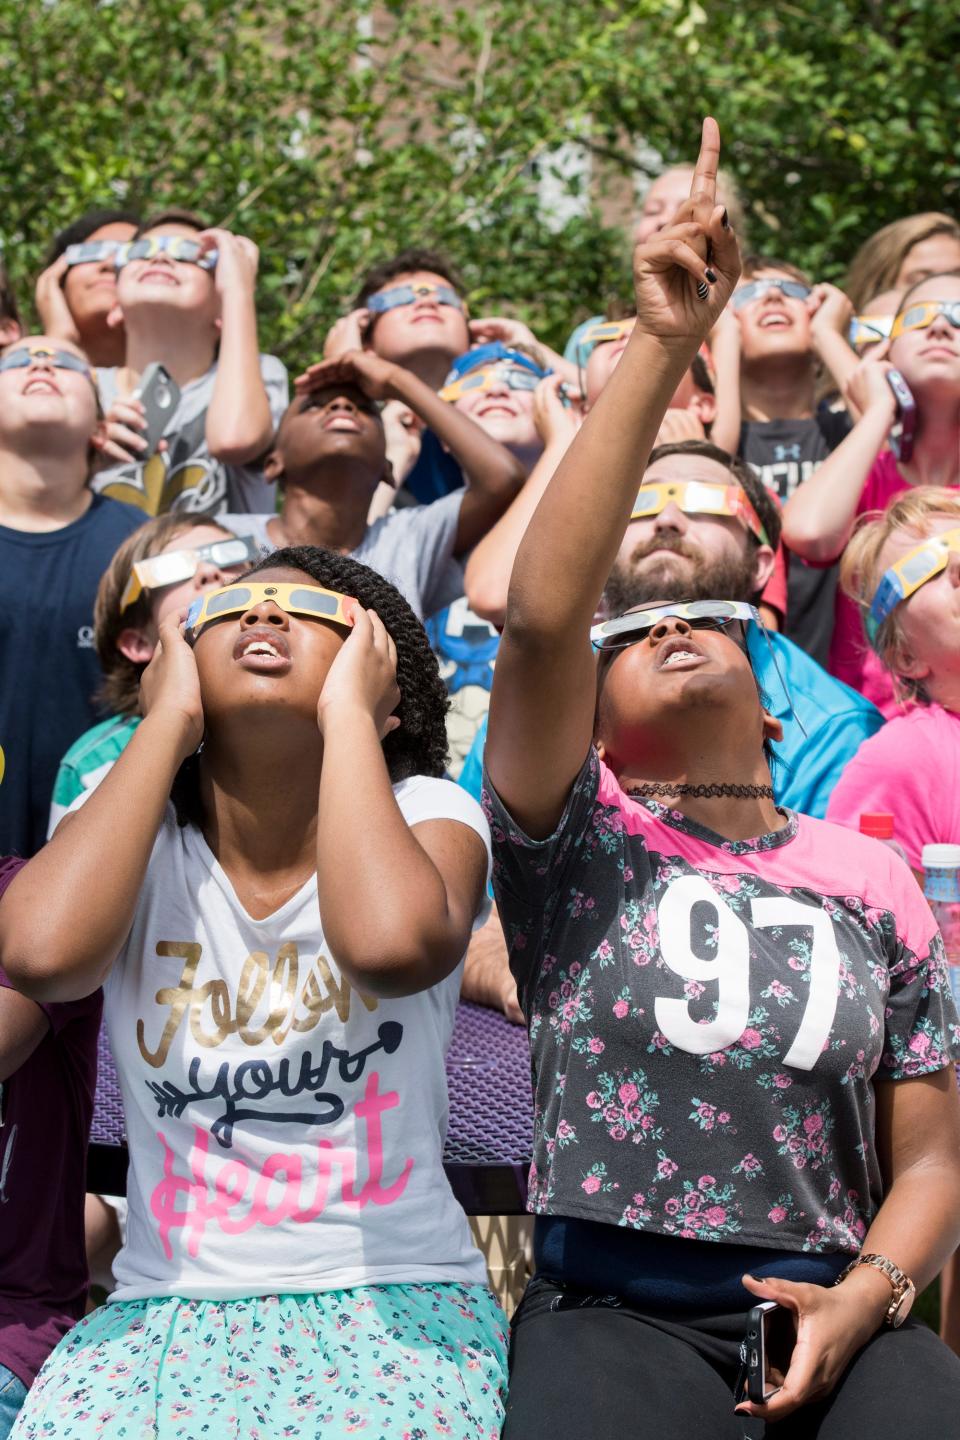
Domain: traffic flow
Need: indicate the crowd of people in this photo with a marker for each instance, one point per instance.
(459, 667)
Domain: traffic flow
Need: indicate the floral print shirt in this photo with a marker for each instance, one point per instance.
(708, 1017)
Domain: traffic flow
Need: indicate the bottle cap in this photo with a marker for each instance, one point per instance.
(880, 826)
(940, 857)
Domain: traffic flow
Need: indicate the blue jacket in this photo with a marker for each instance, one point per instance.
(835, 718)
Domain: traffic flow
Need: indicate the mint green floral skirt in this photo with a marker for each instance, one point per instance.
(389, 1362)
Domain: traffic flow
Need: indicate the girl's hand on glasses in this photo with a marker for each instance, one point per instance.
(830, 311)
(868, 387)
(363, 678)
(170, 685)
(556, 423)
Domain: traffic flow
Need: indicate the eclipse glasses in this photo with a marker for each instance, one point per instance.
(310, 601)
(175, 566)
(906, 577)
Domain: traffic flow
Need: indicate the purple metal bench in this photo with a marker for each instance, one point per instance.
(491, 1123)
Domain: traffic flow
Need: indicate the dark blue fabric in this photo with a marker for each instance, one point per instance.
(435, 474)
(48, 667)
(661, 1272)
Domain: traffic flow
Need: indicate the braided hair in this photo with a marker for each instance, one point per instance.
(418, 746)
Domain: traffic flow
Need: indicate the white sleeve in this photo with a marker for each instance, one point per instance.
(425, 798)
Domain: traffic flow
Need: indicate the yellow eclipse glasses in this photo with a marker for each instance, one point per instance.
(311, 601)
(923, 314)
(694, 497)
(906, 577)
(607, 330)
(869, 329)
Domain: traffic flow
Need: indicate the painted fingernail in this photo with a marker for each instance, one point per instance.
(703, 289)
(711, 275)
(725, 220)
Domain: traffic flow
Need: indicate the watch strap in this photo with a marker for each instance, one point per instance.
(899, 1282)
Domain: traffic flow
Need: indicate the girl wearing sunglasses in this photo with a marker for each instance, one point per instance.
(893, 448)
(722, 997)
(280, 949)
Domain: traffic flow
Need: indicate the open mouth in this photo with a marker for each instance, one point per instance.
(263, 651)
(341, 422)
(40, 385)
(679, 653)
(775, 320)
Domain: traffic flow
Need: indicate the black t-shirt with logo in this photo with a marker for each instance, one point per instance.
(784, 454)
(49, 670)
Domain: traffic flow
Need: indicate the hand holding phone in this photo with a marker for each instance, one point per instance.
(767, 1347)
(159, 394)
(903, 433)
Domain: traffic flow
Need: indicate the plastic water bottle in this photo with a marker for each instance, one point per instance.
(880, 827)
(941, 885)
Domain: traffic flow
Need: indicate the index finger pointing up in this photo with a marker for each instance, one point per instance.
(703, 186)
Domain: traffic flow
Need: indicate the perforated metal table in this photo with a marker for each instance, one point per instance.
(490, 1132)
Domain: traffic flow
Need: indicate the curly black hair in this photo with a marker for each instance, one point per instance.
(418, 746)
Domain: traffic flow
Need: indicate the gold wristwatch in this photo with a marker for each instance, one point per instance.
(904, 1290)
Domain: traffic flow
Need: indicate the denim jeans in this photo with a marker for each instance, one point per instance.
(13, 1392)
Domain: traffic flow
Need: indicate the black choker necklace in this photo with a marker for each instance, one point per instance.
(650, 790)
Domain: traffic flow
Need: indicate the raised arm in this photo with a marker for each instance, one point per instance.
(67, 913)
(488, 570)
(239, 423)
(819, 515)
(544, 691)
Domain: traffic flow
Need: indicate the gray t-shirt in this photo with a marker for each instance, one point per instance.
(412, 548)
(186, 476)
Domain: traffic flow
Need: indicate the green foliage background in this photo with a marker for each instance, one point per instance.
(334, 133)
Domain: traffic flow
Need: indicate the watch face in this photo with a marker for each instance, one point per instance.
(902, 1308)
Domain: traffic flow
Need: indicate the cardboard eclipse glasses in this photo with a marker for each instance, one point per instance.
(695, 498)
(627, 629)
(178, 247)
(311, 601)
(906, 577)
(490, 377)
(790, 289)
(409, 294)
(923, 314)
(174, 566)
(24, 356)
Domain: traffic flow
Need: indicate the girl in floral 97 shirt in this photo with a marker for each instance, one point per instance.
(741, 1031)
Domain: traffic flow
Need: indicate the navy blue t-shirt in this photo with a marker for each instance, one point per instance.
(436, 472)
(49, 671)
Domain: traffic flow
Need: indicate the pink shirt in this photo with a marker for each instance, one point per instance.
(851, 657)
(911, 770)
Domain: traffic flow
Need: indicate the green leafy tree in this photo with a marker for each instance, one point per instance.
(335, 134)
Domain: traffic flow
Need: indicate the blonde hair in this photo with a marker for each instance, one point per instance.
(877, 263)
(120, 690)
(861, 570)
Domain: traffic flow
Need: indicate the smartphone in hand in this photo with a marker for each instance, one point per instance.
(904, 430)
(767, 1348)
(159, 394)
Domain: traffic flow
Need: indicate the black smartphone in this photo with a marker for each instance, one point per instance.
(159, 394)
(903, 433)
(768, 1346)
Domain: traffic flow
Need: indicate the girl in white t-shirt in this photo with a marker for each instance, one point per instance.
(280, 953)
